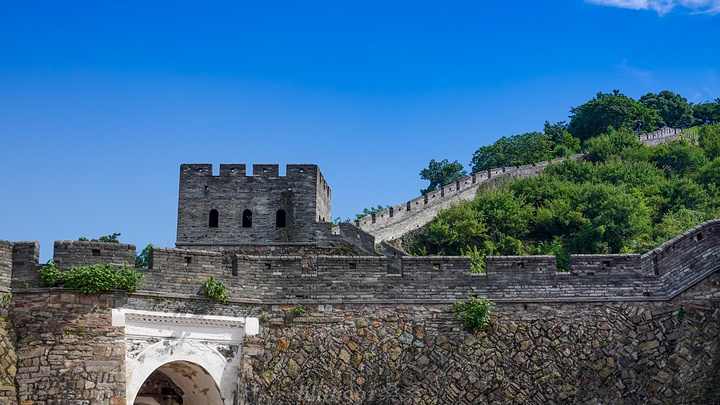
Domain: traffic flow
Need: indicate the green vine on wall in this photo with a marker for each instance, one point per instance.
(5, 300)
(299, 310)
(474, 314)
(215, 289)
(92, 279)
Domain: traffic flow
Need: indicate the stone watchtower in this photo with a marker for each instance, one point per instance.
(234, 209)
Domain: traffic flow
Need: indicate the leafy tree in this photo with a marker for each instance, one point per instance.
(563, 143)
(614, 110)
(516, 150)
(612, 143)
(673, 108)
(441, 173)
(112, 238)
(337, 220)
(710, 173)
(681, 192)
(709, 140)
(678, 158)
(707, 112)
(675, 223)
(143, 259)
(371, 210)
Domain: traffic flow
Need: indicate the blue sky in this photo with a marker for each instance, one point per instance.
(100, 102)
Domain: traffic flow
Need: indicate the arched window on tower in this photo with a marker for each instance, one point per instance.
(280, 219)
(247, 219)
(214, 219)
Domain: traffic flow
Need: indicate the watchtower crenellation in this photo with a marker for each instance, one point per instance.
(233, 208)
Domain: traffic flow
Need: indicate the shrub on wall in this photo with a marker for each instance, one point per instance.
(92, 279)
(474, 314)
(215, 289)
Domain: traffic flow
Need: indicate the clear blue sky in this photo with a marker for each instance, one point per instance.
(100, 102)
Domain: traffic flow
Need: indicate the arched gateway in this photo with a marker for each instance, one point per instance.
(186, 358)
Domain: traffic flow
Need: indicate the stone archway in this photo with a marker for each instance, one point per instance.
(179, 383)
(193, 357)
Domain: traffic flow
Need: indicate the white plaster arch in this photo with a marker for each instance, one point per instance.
(206, 346)
(207, 365)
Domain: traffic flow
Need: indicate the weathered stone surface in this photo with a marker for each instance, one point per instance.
(573, 353)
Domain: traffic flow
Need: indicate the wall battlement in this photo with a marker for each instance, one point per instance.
(661, 273)
(265, 208)
(394, 222)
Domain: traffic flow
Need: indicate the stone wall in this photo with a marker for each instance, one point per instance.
(6, 259)
(183, 271)
(25, 265)
(658, 274)
(302, 194)
(8, 359)
(73, 253)
(662, 135)
(580, 353)
(67, 350)
(384, 352)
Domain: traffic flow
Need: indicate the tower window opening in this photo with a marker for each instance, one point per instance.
(247, 219)
(280, 219)
(214, 219)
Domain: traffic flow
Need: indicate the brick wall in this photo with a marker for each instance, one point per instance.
(302, 194)
(25, 265)
(72, 253)
(6, 259)
(67, 350)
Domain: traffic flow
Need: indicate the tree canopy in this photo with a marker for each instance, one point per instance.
(614, 110)
(707, 112)
(441, 173)
(526, 148)
(673, 108)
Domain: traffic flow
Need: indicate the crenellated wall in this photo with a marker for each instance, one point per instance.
(662, 135)
(25, 265)
(655, 275)
(183, 271)
(394, 222)
(73, 253)
(247, 206)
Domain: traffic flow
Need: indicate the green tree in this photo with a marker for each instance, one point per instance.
(710, 173)
(678, 158)
(673, 108)
(563, 143)
(441, 173)
(709, 140)
(516, 150)
(612, 143)
(371, 210)
(707, 112)
(112, 238)
(614, 110)
(143, 259)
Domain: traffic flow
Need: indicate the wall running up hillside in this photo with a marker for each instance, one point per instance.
(394, 222)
